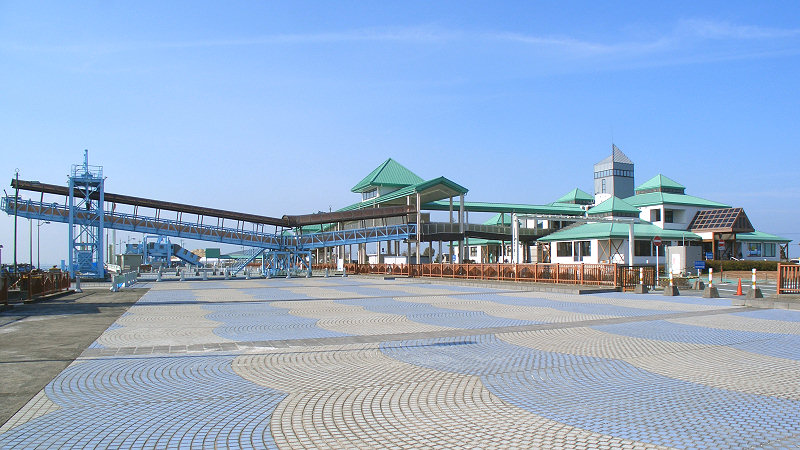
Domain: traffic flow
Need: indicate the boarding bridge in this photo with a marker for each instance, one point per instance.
(56, 212)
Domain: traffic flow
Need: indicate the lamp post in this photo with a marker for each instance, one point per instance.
(38, 241)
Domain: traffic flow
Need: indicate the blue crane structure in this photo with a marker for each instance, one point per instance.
(86, 213)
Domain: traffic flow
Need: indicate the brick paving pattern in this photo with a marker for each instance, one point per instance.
(371, 363)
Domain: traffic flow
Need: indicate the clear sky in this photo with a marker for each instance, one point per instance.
(281, 107)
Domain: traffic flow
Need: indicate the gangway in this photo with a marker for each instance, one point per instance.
(56, 212)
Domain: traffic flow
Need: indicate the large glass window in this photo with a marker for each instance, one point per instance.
(754, 249)
(564, 249)
(586, 248)
(669, 216)
(642, 248)
(604, 186)
(769, 250)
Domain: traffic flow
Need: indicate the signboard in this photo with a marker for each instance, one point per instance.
(721, 245)
(657, 241)
(709, 255)
(700, 265)
(212, 253)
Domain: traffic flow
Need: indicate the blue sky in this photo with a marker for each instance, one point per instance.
(279, 108)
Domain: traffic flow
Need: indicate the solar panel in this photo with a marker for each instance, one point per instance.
(731, 220)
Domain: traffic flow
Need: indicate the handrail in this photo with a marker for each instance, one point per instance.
(611, 275)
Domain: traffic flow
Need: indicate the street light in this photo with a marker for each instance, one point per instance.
(38, 240)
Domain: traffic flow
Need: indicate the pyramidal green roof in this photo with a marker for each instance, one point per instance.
(390, 173)
(576, 196)
(659, 182)
(614, 206)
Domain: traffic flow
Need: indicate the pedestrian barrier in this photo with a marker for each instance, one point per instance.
(612, 275)
(126, 279)
(34, 285)
(788, 279)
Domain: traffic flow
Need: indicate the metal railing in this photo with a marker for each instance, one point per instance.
(788, 279)
(611, 275)
(33, 285)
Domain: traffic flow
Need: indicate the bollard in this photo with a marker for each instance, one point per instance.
(182, 276)
(114, 287)
(671, 290)
(78, 284)
(641, 288)
(755, 292)
(158, 277)
(308, 274)
(269, 274)
(246, 274)
(710, 291)
(326, 273)
(205, 275)
(344, 272)
(227, 275)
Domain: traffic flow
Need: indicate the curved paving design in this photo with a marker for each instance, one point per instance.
(192, 401)
(723, 367)
(609, 396)
(371, 363)
(262, 321)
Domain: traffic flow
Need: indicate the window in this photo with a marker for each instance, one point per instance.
(564, 249)
(754, 249)
(604, 186)
(473, 251)
(769, 250)
(655, 215)
(669, 216)
(642, 248)
(369, 194)
(585, 248)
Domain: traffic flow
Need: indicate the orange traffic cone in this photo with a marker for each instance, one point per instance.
(739, 288)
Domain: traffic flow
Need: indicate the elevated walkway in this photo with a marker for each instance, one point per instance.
(55, 212)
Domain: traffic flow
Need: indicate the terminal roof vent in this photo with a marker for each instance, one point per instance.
(577, 197)
(390, 173)
(660, 183)
(727, 220)
(616, 157)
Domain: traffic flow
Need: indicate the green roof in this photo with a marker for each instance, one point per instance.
(760, 237)
(390, 173)
(479, 242)
(659, 182)
(519, 208)
(608, 230)
(576, 196)
(614, 206)
(665, 198)
(499, 219)
(438, 188)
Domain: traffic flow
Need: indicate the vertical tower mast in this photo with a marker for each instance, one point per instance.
(86, 239)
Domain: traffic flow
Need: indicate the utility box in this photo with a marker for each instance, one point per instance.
(680, 258)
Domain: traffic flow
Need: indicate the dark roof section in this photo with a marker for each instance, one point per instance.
(728, 220)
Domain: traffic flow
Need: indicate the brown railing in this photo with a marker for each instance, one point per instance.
(629, 277)
(613, 275)
(34, 285)
(788, 279)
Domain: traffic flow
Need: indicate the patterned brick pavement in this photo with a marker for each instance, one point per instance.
(371, 363)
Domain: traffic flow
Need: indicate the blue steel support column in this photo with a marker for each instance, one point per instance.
(87, 180)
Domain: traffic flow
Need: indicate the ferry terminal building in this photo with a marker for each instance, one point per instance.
(576, 228)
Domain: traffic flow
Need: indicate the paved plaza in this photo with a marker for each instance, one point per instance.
(364, 362)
